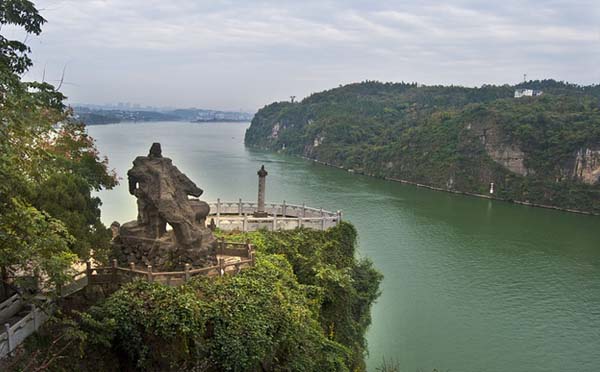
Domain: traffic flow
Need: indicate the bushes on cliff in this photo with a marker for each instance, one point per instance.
(305, 306)
(345, 286)
(261, 319)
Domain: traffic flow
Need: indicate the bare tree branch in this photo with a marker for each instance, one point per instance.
(62, 78)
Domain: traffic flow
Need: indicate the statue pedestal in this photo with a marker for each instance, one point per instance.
(132, 245)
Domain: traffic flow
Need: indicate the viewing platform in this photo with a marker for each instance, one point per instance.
(242, 216)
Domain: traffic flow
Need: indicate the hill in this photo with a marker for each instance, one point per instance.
(541, 150)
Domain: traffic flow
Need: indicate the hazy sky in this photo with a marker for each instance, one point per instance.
(245, 54)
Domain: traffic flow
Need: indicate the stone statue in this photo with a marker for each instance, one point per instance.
(162, 197)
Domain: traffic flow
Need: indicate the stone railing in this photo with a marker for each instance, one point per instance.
(16, 333)
(10, 306)
(232, 258)
(240, 255)
(238, 215)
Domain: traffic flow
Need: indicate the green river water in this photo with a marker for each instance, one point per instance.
(470, 284)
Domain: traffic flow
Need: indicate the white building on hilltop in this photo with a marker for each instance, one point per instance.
(527, 93)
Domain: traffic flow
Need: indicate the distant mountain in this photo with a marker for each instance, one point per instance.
(97, 116)
(542, 150)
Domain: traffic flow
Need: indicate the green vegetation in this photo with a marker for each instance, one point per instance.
(48, 166)
(305, 306)
(325, 261)
(447, 137)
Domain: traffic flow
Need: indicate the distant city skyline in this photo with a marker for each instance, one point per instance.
(232, 55)
(139, 106)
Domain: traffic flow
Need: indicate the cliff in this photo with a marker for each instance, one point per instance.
(540, 150)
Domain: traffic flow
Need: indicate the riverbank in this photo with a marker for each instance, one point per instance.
(434, 188)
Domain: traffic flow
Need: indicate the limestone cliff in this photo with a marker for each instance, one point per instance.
(587, 166)
(500, 149)
(543, 150)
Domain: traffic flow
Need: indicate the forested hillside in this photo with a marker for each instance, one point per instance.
(542, 150)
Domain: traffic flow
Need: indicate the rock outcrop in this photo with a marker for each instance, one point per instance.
(503, 152)
(509, 156)
(587, 166)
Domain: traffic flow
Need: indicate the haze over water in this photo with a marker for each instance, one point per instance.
(470, 284)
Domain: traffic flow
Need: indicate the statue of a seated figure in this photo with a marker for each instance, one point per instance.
(162, 197)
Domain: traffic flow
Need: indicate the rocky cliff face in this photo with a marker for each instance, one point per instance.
(502, 150)
(586, 166)
(309, 148)
(275, 131)
(509, 156)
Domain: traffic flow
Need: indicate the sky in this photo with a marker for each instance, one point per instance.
(243, 54)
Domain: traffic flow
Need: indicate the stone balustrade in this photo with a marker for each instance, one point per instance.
(15, 334)
(239, 215)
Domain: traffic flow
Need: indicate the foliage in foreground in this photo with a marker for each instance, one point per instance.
(260, 320)
(48, 166)
(305, 306)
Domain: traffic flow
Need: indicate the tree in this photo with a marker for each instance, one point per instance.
(14, 58)
(43, 151)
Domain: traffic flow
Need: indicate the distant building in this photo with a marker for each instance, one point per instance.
(527, 93)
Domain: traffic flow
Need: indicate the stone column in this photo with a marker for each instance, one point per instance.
(262, 175)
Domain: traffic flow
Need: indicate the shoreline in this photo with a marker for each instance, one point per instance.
(434, 188)
(167, 121)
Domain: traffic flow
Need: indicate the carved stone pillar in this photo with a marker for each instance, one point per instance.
(262, 175)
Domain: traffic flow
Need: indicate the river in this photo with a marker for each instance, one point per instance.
(470, 284)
